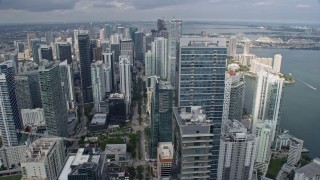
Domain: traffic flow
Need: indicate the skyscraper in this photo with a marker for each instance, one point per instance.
(161, 25)
(33, 79)
(30, 36)
(150, 66)
(126, 47)
(175, 33)
(85, 62)
(277, 63)
(45, 52)
(295, 150)
(67, 84)
(161, 115)
(267, 100)
(139, 45)
(246, 48)
(160, 55)
(10, 120)
(23, 93)
(108, 71)
(232, 50)
(107, 30)
(63, 52)
(236, 97)
(125, 79)
(53, 101)
(192, 143)
(102, 35)
(201, 82)
(237, 152)
(98, 84)
(35, 45)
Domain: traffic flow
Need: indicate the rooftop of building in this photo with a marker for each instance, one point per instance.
(99, 119)
(165, 85)
(81, 157)
(39, 149)
(235, 130)
(310, 170)
(165, 151)
(9, 63)
(191, 115)
(116, 149)
(202, 42)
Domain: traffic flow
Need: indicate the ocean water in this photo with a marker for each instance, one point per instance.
(301, 100)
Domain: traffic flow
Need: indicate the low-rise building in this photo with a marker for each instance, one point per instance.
(310, 171)
(295, 150)
(32, 117)
(45, 158)
(98, 122)
(117, 159)
(13, 155)
(117, 109)
(164, 160)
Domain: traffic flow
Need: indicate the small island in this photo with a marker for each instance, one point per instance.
(288, 78)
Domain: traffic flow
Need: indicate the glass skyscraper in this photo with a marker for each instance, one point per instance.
(200, 81)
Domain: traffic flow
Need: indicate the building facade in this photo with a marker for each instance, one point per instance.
(125, 80)
(237, 97)
(161, 115)
(201, 82)
(160, 55)
(237, 152)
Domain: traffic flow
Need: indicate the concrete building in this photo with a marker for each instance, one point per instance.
(236, 96)
(117, 160)
(164, 160)
(277, 63)
(98, 84)
(150, 66)
(139, 45)
(160, 55)
(175, 33)
(23, 93)
(67, 84)
(267, 100)
(296, 146)
(237, 152)
(85, 60)
(201, 82)
(45, 52)
(161, 115)
(33, 117)
(125, 80)
(246, 48)
(10, 119)
(53, 100)
(127, 49)
(63, 52)
(13, 155)
(45, 158)
(263, 132)
(108, 70)
(102, 34)
(117, 109)
(192, 143)
(98, 122)
(232, 48)
(310, 171)
(257, 66)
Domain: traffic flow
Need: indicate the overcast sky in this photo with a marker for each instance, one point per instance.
(18, 11)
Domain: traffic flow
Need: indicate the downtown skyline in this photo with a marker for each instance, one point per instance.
(283, 11)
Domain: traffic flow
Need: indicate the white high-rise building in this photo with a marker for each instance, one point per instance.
(149, 64)
(125, 79)
(108, 70)
(246, 48)
(45, 159)
(237, 152)
(175, 33)
(13, 155)
(102, 34)
(277, 63)
(267, 99)
(263, 133)
(296, 146)
(66, 73)
(160, 55)
(98, 84)
(232, 49)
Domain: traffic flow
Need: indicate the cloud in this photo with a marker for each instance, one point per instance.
(38, 5)
(303, 5)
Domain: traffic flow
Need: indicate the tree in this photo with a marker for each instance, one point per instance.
(132, 172)
(140, 172)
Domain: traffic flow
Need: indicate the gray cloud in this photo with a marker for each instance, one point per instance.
(38, 5)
